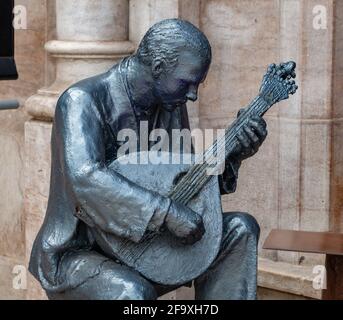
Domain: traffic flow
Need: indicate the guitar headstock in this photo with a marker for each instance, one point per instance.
(278, 83)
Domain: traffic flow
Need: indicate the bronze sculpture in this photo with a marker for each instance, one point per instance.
(110, 232)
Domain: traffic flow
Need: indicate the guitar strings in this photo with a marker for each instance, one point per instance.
(184, 191)
(259, 108)
(256, 105)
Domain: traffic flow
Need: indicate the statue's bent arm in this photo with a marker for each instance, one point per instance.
(103, 198)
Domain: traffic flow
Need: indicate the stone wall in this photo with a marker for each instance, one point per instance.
(30, 58)
(294, 182)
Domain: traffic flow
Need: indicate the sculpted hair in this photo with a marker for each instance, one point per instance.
(166, 38)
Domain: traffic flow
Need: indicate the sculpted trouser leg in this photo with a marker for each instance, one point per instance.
(106, 280)
(233, 274)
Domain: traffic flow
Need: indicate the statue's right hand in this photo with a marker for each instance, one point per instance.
(184, 223)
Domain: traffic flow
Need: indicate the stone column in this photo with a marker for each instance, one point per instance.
(90, 37)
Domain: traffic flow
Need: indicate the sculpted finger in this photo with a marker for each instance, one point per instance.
(243, 139)
(252, 135)
(259, 120)
(262, 133)
(259, 128)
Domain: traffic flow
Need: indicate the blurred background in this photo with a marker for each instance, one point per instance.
(294, 182)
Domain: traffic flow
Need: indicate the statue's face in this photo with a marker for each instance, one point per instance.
(175, 86)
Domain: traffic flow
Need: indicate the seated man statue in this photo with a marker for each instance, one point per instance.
(152, 85)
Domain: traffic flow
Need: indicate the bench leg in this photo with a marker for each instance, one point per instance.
(334, 278)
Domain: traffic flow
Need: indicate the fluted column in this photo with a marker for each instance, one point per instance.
(91, 36)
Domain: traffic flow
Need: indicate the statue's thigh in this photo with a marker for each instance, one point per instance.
(242, 221)
(97, 278)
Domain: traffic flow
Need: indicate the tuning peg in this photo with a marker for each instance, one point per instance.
(290, 68)
(271, 67)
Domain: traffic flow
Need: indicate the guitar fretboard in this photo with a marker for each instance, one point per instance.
(206, 164)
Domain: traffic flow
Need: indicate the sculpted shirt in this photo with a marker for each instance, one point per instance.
(84, 192)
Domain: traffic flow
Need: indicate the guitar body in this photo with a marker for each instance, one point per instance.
(163, 258)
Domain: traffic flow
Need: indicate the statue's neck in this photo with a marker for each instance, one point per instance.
(139, 85)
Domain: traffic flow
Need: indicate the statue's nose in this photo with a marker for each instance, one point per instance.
(192, 96)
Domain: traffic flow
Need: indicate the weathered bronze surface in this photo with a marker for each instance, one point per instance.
(115, 231)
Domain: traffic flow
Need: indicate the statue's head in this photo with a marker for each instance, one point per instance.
(178, 55)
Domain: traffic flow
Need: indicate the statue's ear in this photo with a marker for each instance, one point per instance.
(158, 66)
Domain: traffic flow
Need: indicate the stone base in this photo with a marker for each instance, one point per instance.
(293, 280)
(269, 294)
(7, 291)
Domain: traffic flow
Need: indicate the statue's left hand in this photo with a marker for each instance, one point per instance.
(249, 138)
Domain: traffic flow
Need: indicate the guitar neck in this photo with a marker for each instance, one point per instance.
(276, 86)
(259, 106)
(210, 161)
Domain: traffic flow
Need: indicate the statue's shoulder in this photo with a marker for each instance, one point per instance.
(95, 88)
(88, 94)
(85, 88)
(83, 93)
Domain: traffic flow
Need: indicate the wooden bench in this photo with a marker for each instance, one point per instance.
(330, 244)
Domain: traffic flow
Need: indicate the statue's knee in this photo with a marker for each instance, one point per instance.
(104, 288)
(244, 221)
(138, 291)
(113, 282)
(126, 286)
